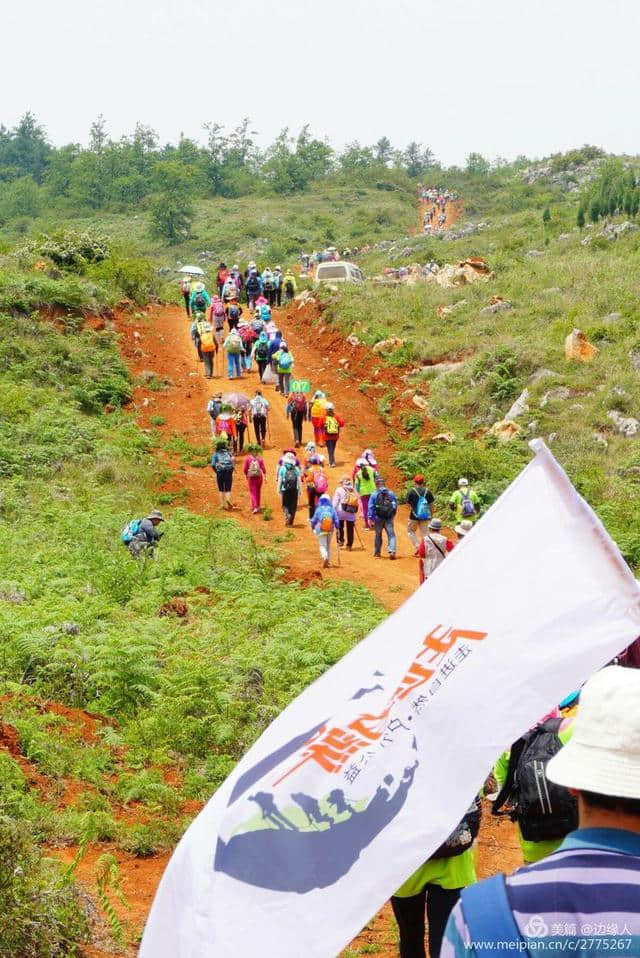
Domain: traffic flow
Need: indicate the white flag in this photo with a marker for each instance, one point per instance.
(368, 771)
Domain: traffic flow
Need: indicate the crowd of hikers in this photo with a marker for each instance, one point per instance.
(435, 204)
(571, 783)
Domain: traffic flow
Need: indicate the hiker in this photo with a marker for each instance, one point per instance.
(225, 425)
(316, 482)
(141, 536)
(268, 286)
(465, 502)
(283, 359)
(214, 408)
(595, 873)
(277, 282)
(217, 316)
(233, 314)
(260, 353)
(195, 336)
(207, 344)
(253, 287)
(248, 336)
(346, 504)
(264, 310)
(463, 528)
(185, 289)
(255, 472)
(236, 275)
(275, 340)
(382, 509)
(233, 347)
(297, 410)
(242, 424)
(289, 286)
(332, 426)
(199, 300)
(370, 459)
(433, 550)
(229, 290)
(223, 464)
(539, 832)
(259, 412)
(365, 485)
(318, 416)
(419, 500)
(323, 522)
(289, 486)
(221, 278)
(435, 887)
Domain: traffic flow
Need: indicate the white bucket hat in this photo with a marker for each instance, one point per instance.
(464, 527)
(604, 753)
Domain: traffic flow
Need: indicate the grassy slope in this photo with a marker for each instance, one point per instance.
(568, 286)
(79, 618)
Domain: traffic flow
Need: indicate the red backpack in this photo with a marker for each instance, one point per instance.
(299, 402)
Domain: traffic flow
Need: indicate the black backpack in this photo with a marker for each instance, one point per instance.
(290, 478)
(385, 507)
(543, 810)
(199, 301)
(464, 834)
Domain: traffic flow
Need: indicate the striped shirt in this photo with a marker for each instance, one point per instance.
(588, 889)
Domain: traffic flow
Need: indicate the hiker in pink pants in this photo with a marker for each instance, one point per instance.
(255, 472)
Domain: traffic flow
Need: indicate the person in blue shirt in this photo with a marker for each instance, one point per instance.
(383, 506)
(323, 522)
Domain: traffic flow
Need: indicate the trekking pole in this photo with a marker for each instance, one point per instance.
(355, 526)
(338, 547)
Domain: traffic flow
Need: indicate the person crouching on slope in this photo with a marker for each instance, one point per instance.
(323, 522)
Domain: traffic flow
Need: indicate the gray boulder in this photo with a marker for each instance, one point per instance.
(520, 406)
(627, 426)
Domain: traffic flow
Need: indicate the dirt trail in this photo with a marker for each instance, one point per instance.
(160, 343)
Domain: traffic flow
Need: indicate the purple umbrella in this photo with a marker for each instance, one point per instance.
(237, 400)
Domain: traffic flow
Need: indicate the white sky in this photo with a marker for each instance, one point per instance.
(499, 76)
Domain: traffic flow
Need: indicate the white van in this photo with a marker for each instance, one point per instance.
(338, 272)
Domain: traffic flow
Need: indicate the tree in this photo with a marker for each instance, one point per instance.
(24, 151)
(172, 212)
(594, 210)
(98, 135)
(356, 158)
(416, 160)
(580, 217)
(477, 165)
(21, 197)
(383, 151)
(546, 216)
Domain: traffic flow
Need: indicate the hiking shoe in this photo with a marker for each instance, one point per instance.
(392, 555)
(376, 555)
(256, 511)
(325, 564)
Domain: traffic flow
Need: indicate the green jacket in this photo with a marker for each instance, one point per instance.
(455, 872)
(456, 503)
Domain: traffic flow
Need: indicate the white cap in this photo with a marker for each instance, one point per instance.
(603, 754)
(463, 482)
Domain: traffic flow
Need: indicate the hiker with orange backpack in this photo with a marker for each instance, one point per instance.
(332, 426)
(206, 342)
(255, 472)
(297, 410)
(318, 416)
(346, 504)
(317, 482)
(323, 522)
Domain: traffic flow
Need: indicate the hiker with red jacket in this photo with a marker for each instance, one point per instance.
(433, 550)
(297, 410)
(332, 426)
(255, 472)
(221, 277)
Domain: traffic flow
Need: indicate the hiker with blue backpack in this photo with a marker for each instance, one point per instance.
(323, 522)
(141, 536)
(283, 359)
(223, 464)
(465, 502)
(289, 485)
(420, 500)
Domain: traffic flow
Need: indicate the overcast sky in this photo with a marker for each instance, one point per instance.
(503, 77)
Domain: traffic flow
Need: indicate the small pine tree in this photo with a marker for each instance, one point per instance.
(613, 204)
(594, 210)
(546, 216)
(636, 202)
(580, 217)
(628, 202)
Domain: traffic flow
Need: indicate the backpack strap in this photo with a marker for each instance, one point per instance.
(434, 543)
(488, 916)
(514, 757)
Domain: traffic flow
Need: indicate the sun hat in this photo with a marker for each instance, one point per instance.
(464, 527)
(199, 287)
(289, 457)
(418, 479)
(379, 481)
(310, 447)
(436, 525)
(603, 754)
(463, 482)
(155, 514)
